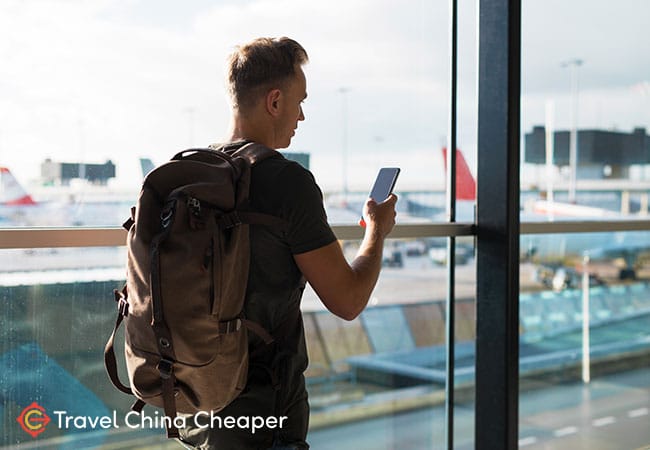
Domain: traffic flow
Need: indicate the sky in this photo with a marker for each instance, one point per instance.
(91, 80)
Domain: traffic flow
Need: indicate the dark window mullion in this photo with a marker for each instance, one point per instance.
(497, 296)
(450, 319)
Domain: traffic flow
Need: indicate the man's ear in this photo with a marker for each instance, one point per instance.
(273, 99)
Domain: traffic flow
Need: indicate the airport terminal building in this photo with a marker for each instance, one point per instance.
(602, 154)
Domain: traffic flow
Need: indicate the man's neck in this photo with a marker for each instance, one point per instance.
(243, 130)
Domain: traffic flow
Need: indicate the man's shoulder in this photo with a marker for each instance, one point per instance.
(283, 186)
(282, 171)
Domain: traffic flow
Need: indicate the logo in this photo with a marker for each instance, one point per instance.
(33, 419)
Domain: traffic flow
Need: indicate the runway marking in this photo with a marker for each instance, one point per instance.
(603, 421)
(600, 422)
(634, 413)
(565, 431)
(530, 440)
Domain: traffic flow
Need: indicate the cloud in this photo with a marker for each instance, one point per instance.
(121, 79)
(93, 80)
(610, 37)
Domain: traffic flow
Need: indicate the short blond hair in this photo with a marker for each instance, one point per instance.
(260, 65)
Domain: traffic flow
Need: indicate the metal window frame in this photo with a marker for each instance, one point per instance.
(498, 229)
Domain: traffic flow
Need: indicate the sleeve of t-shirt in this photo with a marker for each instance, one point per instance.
(302, 206)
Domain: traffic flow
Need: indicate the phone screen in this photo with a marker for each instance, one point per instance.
(384, 183)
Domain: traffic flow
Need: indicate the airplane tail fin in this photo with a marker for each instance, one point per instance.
(11, 192)
(146, 165)
(465, 181)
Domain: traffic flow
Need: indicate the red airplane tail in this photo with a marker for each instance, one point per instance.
(11, 192)
(465, 181)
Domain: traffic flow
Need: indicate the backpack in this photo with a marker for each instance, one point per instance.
(188, 255)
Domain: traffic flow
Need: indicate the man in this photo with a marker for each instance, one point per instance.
(267, 86)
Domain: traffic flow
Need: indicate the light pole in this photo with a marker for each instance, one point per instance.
(586, 364)
(573, 65)
(82, 150)
(643, 88)
(344, 91)
(550, 148)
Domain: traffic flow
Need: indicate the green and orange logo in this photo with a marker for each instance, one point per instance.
(33, 419)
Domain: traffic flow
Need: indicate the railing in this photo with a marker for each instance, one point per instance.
(115, 236)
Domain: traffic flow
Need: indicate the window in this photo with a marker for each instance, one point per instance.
(96, 97)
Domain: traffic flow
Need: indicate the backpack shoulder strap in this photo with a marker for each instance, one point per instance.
(235, 218)
(253, 152)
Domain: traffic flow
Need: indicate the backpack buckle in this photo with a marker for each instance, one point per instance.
(122, 303)
(123, 307)
(166, 214)
(230, 326)
(229, 220)
(165, 367)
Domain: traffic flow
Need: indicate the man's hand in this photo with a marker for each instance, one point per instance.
(380, 217)
(345, 288)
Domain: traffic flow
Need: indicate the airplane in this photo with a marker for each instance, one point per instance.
(19, 208)
(87, 206)
(431, 205)
(146, 165)
(627, 250)
(15, 203)
(11, 192)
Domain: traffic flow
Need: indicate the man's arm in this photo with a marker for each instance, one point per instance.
(345, 288)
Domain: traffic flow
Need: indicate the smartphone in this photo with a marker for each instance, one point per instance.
(384, 183)
(383, 187)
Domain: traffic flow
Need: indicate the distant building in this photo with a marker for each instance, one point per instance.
(60, 173)
(601, 153)
(301, 158)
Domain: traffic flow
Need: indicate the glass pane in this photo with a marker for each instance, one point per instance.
(59, 312)
(106, 109)
(380, 379)
(584, 111)
(585, 157)
(567, 401)
(86, 116)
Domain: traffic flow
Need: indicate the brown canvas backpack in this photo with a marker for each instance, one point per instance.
(186, 343)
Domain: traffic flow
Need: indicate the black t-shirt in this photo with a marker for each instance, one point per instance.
(284, 189)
